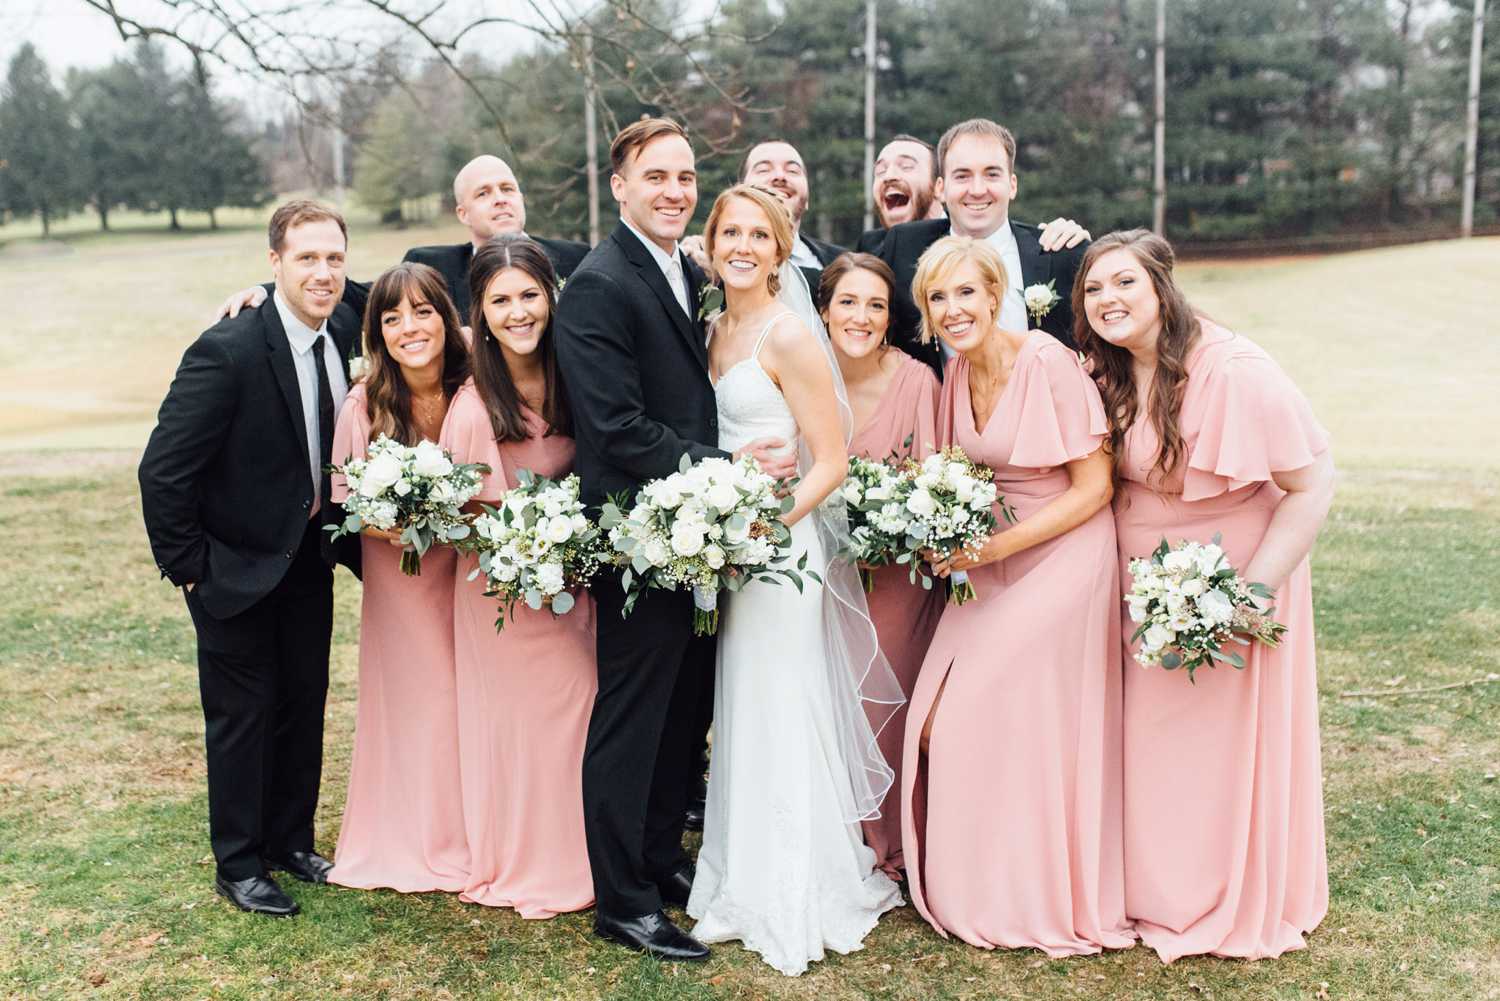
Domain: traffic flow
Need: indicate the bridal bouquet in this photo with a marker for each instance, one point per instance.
(875, 495)
(950, 510)
(1190, 602)
(712, 526)
(536, 545)
(416, 488)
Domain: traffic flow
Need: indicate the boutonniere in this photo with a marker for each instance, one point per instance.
(1040, 299)
(359, 366)
(562, 283)
(710, 302)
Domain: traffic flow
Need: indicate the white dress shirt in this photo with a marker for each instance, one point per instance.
(301, 338)
(802, 254)
(1013, 314)
(671, 267)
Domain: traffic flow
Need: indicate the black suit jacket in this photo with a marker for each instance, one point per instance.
(870, 240)
(825, 253)
(452, 262)
(904, 244)
(636, 369)
(225, 480)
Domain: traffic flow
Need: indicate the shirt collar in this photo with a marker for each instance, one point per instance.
(663, 259)
(298, 333)
(1002, 238)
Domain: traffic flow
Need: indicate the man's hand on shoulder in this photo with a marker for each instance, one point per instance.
(249, 298)
(1062, 234)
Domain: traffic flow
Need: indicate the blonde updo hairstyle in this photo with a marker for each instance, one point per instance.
(940, 260)
(781, 224)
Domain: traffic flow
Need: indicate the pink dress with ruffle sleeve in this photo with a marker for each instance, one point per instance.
(905, 616)
(1012, 825)
(403, 825)
(1224, 849)
(524, 698)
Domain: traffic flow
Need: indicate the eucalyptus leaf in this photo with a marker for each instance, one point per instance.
(562, 603)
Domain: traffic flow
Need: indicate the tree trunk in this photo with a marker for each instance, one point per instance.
(103, 211)
(213, 219)
(175, 224)
(46, 223)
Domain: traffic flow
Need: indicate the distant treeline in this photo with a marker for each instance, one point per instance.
(1286, 119)
(134, 134)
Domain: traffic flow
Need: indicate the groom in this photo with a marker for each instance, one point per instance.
(629, 338)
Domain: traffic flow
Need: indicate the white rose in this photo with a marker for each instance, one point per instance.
(655, 552)
(963, 489)
(558, 529)
(381, 473)
(428, 459)
(1216, 606)
(921, 503)
(879, 493)
(580, 524)
(1178, 561)
(1039, 298)
(736, 532)
(1157, 637)
(852, 493)
(1138, 607)
(1193, 586)
(1208, 559)
(958, 472)
(713, 556)
(442, 492)
(928, 480)
(687, 540)
(549, 577)
(402, 487)
(383, 515)
(723, 496)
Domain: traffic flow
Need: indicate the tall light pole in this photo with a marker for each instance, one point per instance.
(1471, 131)
(870, 57)
(1159, 169)
(591, 136)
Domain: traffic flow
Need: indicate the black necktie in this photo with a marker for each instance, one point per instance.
(325, 428)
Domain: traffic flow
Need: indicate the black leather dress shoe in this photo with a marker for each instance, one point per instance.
(676, 887)
(258, 894)
(310, 867)
(652, 933)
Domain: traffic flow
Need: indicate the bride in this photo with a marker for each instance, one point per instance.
(801, 686)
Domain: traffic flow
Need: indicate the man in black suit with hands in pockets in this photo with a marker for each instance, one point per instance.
(235, 497)
(633, 351)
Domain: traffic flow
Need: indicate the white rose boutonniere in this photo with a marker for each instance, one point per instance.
(359, 367)
(1040, 299)
(710, 302)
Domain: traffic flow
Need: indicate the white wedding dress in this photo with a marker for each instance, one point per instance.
(781, 868)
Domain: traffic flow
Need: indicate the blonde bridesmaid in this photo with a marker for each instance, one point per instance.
(894, 399)
(1011, 765)
(1224, 850)
(403, 826)
(524, 693)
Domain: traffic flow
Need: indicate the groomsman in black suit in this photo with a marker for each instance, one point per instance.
(905, 174)
(235, 498)
(488, 202)
(976, 183)
(633, 348)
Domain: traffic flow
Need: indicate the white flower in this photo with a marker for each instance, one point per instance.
(382, 514)
(921, 503)
(656, 553)
(428, 459)
(558, 529)
(1208, 559)
(359, 367)
(1138, 607)
(736, 532)
(1193, 586)
(1156, 637)
(723, 496)
(852, 492)
(1039, 300)
(1178, 561)
(713, 556)
(580, 524)
(687, 539)
(381, 473)
(443, 492)
(1216, 606)
(549, 577)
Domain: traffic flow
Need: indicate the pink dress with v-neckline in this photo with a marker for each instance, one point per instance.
(1012, 826)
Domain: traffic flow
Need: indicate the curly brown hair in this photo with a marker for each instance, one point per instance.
(387, 395)
(1181, 327)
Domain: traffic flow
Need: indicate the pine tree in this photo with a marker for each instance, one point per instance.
(38, 143)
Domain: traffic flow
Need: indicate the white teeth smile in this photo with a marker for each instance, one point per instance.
(962, 327)
(742, 265)
(412, 347)
(1113, 315)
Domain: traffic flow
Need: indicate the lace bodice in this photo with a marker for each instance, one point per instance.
(750, 404)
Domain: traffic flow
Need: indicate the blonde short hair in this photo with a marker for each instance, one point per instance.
(771, 204)
(939, 261)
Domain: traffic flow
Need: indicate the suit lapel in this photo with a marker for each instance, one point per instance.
(651, 274)
(283, 368)
(1036, 267)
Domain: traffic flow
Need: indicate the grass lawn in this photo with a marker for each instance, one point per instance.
(105, 877)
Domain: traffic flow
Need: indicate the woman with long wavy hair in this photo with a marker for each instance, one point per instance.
(524, 693)
(403, 819)
(1223, 805)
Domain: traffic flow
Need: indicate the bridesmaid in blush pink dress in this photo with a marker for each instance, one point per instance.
(1224, 850)
(1011, 766)
(894, 399)
(524, 693)
(403, 826)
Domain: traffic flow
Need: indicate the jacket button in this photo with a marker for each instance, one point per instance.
(306, 504)
(290, 554)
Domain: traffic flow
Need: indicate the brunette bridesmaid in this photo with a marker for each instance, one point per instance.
(894, 399)
(403, 822)
(524, 693)
(1011, 766)
(1224, 850)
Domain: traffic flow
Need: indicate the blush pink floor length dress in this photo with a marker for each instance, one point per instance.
(403, 825)
(524, 698)
(1012, 825)
(905, 616)
(1224, 849)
